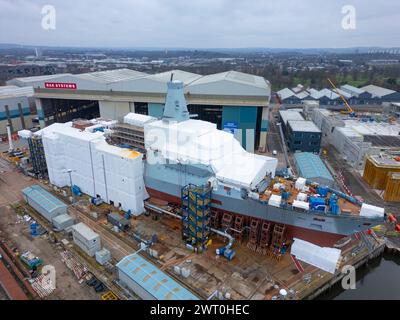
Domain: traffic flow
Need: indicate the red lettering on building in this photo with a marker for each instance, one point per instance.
(60, 85)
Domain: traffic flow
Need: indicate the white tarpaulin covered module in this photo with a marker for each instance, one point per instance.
(97, 168)
(370, 211)
(199, 142)
(137, 119)
(321, 257)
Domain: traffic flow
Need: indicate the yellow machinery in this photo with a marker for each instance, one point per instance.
(349, 109)
(109, 296)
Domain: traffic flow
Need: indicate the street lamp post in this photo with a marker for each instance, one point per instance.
(69, 171)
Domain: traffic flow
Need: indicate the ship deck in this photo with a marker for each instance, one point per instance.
(346, 207)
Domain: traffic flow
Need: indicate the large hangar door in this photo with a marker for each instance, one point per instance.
(64, 110)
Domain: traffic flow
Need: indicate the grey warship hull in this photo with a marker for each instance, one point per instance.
(325, 229)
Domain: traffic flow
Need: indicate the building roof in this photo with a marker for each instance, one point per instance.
(111, 76)
(287, 115)
(285, 93)
(184, 76)
(62, 218)
(43, 198)
(329, 94)
(39, 78)
(311, 166)
(7, 92)
(230, 83)
(315, 93)
(377, 91)
(303, 94)
(85, 231)
(303, 126)
(351, 89)
(386, 160)
(298, 88)
(153, 280)
(344, 93)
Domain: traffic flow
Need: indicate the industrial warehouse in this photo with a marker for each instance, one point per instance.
(232, 100)
(16, 108)
(364, 96)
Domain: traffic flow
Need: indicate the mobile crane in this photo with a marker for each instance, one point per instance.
(349, 110)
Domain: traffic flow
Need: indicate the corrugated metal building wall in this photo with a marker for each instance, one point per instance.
(311, 167)
(392, 191)
(44, 202)
(149, 282)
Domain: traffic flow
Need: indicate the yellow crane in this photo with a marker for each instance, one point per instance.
(349, 109)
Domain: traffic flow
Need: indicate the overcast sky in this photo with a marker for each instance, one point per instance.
(201, 23)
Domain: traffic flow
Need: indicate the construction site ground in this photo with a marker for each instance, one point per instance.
(17, 236)
(249, 275)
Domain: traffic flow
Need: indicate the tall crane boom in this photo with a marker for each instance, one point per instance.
(350, 109)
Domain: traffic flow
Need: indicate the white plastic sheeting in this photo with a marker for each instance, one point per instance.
(199, 142)
(97, 168)
(301, 205)
(137, 119)
(300, 183)
(275, 200)
(302, 196)
(371, 211)
(25, 134)
(321, 257)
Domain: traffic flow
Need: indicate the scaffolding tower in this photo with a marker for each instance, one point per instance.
(37, 155)
(123, 133)
(196, 211)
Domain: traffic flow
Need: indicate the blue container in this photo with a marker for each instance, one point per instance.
(76, 190)
(333, 205)
(322, 191)
(229, 254)
(285, 195)
(317, 203)
(34, 232)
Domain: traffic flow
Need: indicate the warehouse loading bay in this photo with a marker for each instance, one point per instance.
(250, 275)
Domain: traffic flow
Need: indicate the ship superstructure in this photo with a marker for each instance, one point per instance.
(182, 151)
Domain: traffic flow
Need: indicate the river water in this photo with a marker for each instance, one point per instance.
(379, 279)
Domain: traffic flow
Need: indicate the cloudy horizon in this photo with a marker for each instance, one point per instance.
(201, 24)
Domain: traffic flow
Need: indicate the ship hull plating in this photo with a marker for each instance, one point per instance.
(317, 228)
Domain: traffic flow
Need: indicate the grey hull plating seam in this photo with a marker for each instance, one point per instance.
(343, 225)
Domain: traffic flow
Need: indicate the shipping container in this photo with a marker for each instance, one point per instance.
(117, 220)
(103, 256)
(86, 239)
(62, 222)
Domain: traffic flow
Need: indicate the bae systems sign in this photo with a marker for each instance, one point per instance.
(60, 85)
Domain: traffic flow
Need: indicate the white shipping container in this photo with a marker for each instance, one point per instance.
(86, 238)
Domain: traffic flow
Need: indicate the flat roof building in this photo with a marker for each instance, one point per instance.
(303, 136)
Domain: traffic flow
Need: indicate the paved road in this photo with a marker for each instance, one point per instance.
(117, 247)
(274, 139)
